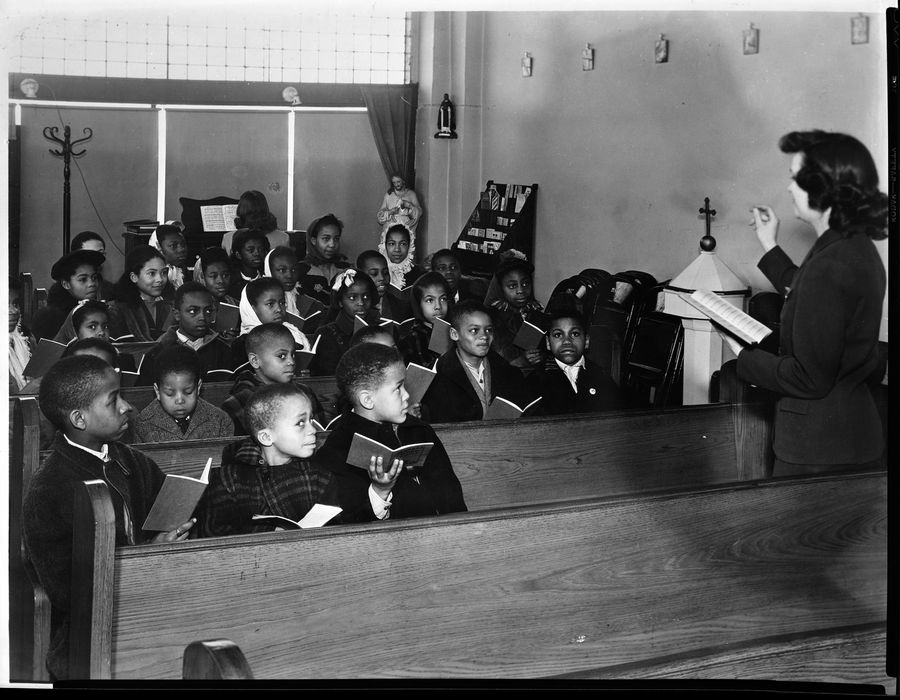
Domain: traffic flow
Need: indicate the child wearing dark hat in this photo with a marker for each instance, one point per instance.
(76, 276)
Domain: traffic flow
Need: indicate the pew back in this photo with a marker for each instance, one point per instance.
(609, 583)
(504, 463)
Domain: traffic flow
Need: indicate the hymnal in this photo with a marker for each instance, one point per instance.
(395, 291)
(325, 428)
(223, 374)
(531, 335)
(440, 336)
(127, 338)
(228, 316)
(418, 379)
(43, 358)
(359, 322)
(728, 316)
(362, 449)
(306, 305)
(317, 516)
(176, 500)
(303, 323)
(503, 409)
(302, 358)
(128, 377)
(218, 217)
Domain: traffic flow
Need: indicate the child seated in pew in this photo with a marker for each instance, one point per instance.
(270, 349)
(248, 248)
(510, 299)
(389, 302)
(280, 263)
(178, 413)
(169, 241)
(89, 319)
(398, 246)
(371, 378)
(352, 293)
(430, 296)
(471, 375)
(262, 301)
(568, 381)
(76, 276)
(193, 310)
(271, 472)
(138, 307)
(371, 334)
(323, 258)
(21, 342)
(81, 396)
(447, 264)
(91, 240)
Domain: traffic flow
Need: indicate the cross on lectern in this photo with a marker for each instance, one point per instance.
(707, 243)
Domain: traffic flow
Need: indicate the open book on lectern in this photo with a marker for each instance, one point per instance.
(727, 316)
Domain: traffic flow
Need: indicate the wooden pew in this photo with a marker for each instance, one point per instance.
(599, 587)
(506, 463)
(215, 660)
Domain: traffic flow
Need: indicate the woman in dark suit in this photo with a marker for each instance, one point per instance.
(826, 418)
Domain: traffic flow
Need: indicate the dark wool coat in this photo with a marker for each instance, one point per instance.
(829, 352)
(155, 425)
(596, 390)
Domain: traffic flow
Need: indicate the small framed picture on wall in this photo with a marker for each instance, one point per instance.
(859, 30)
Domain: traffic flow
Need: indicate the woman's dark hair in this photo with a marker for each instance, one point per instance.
(838, 172)
(256, 287)
(79, 240)
(213, 254)
(81, 311)
(253, 212)
(124, 289)
(402, 229)
(327, 220)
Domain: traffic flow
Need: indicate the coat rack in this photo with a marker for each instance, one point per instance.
(66, 154)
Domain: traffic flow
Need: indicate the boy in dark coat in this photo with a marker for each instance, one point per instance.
(568, 381)
(80, 395)
(470, 375)
(371, 376)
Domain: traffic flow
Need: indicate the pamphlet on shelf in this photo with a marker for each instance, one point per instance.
(728, 316)
(418, 379)
(317, 516)
(176, 500)
(218, 217)
(362, 448)
(503, 409)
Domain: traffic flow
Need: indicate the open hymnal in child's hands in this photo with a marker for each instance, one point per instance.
(304, 323)
(359, 322)
(439, 341)
(317, 516)
(418, 379)
(531, 333)
(176, 501)
(303, 357)
(363, 448)
(228, 317)
(727, 316)
(503, 409)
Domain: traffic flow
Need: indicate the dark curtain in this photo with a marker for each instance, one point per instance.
(392, 114)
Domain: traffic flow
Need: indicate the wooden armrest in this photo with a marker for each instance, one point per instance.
(215, 659)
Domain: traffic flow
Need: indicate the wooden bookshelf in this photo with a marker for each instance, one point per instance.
(502, 219)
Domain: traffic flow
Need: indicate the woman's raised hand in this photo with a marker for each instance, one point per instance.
(766, 224)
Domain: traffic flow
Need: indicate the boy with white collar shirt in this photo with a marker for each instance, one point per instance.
(568, 381)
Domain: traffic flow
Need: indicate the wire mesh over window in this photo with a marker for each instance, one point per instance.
(306, 47)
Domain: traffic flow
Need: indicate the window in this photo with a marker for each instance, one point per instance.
(307, 47)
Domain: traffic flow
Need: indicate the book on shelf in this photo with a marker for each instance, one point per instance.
(727, 316)
(218, 217)
(303, 358)
(362, 448)
(228, 316)
(418, 379)
(439, 341)
(176, 500)
(531, 333)
(45, 355)
(317, 516)
(504, 409)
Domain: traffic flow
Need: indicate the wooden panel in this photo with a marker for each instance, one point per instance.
(216, 659)
(524, 593)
